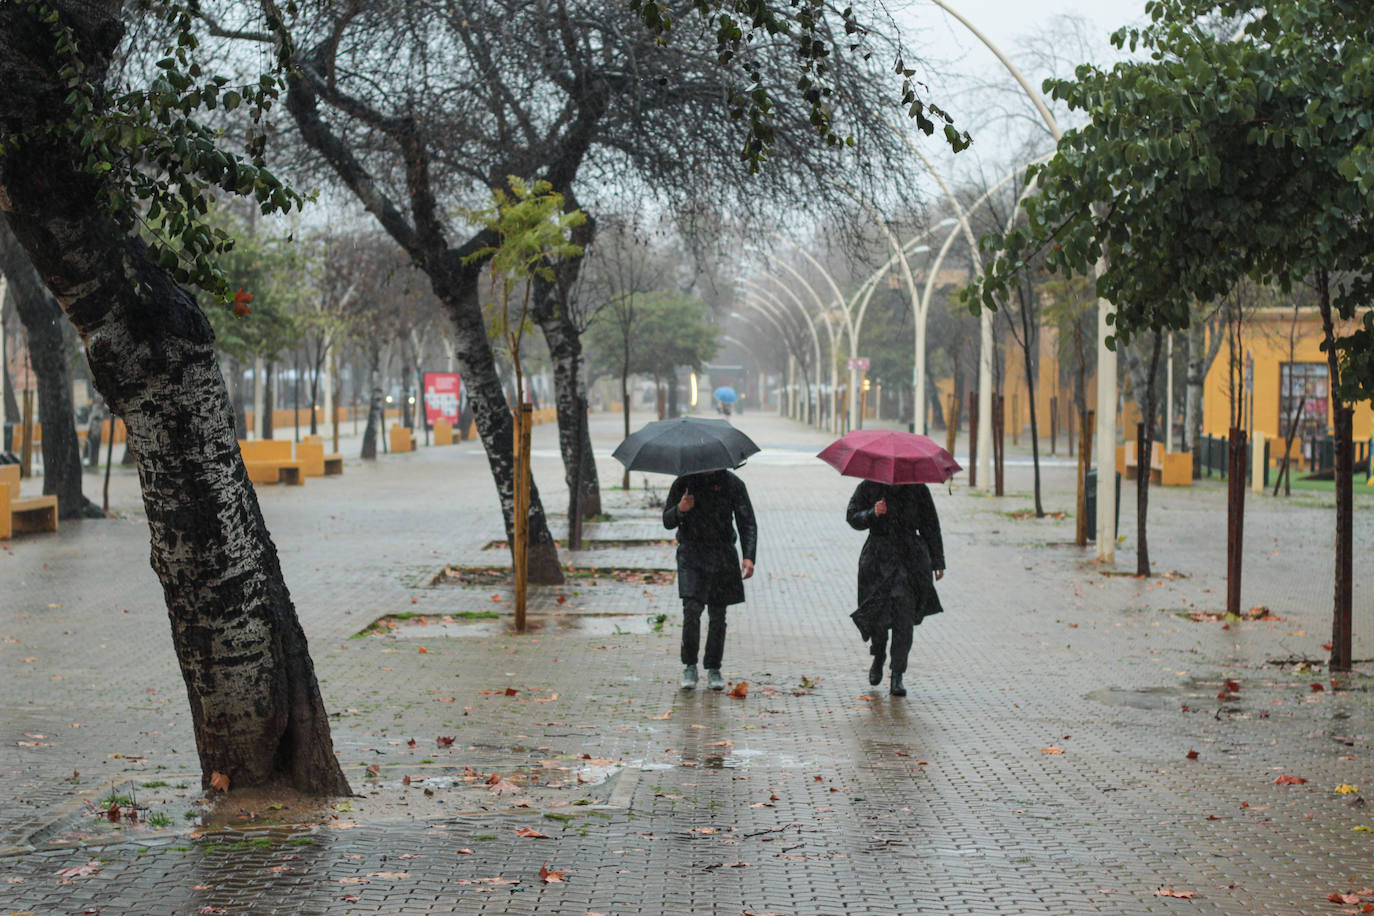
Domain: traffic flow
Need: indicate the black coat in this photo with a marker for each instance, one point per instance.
(896, 567)
(708, 569)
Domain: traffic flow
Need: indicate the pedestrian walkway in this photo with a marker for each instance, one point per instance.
(1073, 741)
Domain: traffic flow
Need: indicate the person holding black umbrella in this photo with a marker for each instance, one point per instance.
(707, 508)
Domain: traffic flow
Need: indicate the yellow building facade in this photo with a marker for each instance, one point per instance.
(1280, 371)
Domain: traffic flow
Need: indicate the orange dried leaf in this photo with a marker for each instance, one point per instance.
(1170, 892)
(1052, 749)
(531, 833)
(444, 740)
(219, 781)
(740, 690)
(549, 877)
(1286, 780)
(241, 300)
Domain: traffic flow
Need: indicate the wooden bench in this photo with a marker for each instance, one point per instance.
(401, 439)
(17, 515)
(443, 432)
(318, 463)
(1178, 469)
(1169, 469)
(269, 461)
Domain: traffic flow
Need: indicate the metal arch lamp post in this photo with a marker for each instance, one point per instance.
(824, 315)
(765, 297)
(844, 308)
(1106, 358)
(760, 330)
(761, 305)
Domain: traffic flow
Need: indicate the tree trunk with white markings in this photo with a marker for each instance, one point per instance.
(255, 703)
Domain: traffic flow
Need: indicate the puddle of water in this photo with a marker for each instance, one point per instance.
(569, 624)
(1143, 698)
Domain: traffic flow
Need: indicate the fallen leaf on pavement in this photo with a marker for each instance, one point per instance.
(1343, 898)
(739, 690)
(1052, 749)
(1191, 755)
(531, 833)
(78, 871)
(550, 877)
(219, 781)
(444, 741)
(1286, 780)
(1170, 892)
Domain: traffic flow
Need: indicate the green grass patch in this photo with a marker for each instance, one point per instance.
(159, 819)
(564, 818)
(155, 784)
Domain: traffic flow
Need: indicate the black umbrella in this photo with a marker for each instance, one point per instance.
(685, 445)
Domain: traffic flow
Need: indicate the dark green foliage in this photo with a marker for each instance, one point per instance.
(1214, 160)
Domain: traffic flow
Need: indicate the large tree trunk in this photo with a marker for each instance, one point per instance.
(255, 703)
(48, 352)
(569, 394)
(236, 396)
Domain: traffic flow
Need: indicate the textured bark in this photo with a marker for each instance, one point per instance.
(49, 354)
(569, 393)
(255, 704)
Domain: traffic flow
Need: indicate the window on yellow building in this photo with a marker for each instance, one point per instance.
(1304, 383)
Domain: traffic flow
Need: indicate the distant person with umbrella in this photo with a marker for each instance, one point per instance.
(706, 504)
(904, 555)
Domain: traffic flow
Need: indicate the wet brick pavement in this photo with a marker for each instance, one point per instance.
(822, 796)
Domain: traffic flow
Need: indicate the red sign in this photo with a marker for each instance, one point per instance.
(441, 397)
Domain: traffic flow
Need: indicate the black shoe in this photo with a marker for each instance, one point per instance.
(897, 689)
(875, 671)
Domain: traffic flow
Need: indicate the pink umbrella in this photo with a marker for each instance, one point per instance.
(888, 456)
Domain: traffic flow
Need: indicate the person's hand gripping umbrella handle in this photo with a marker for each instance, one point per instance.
(687, 502)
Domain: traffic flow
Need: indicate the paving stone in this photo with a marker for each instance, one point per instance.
(833, 799)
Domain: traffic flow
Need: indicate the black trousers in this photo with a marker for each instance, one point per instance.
(901, 645)
(715, 633)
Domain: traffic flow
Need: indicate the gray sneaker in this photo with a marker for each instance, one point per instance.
(689, 677)
(714, 680)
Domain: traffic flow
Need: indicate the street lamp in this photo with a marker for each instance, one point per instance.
(1106, 358)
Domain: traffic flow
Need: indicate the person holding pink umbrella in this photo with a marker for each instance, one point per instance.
(904, 555)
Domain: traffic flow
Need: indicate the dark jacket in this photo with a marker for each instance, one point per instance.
(903, 550)
(708, 569)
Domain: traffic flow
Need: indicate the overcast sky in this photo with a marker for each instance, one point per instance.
(1008, 21)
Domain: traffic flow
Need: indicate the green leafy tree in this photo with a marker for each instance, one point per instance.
(1218, 159)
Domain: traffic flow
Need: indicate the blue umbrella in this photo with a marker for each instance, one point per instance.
(726, 395)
